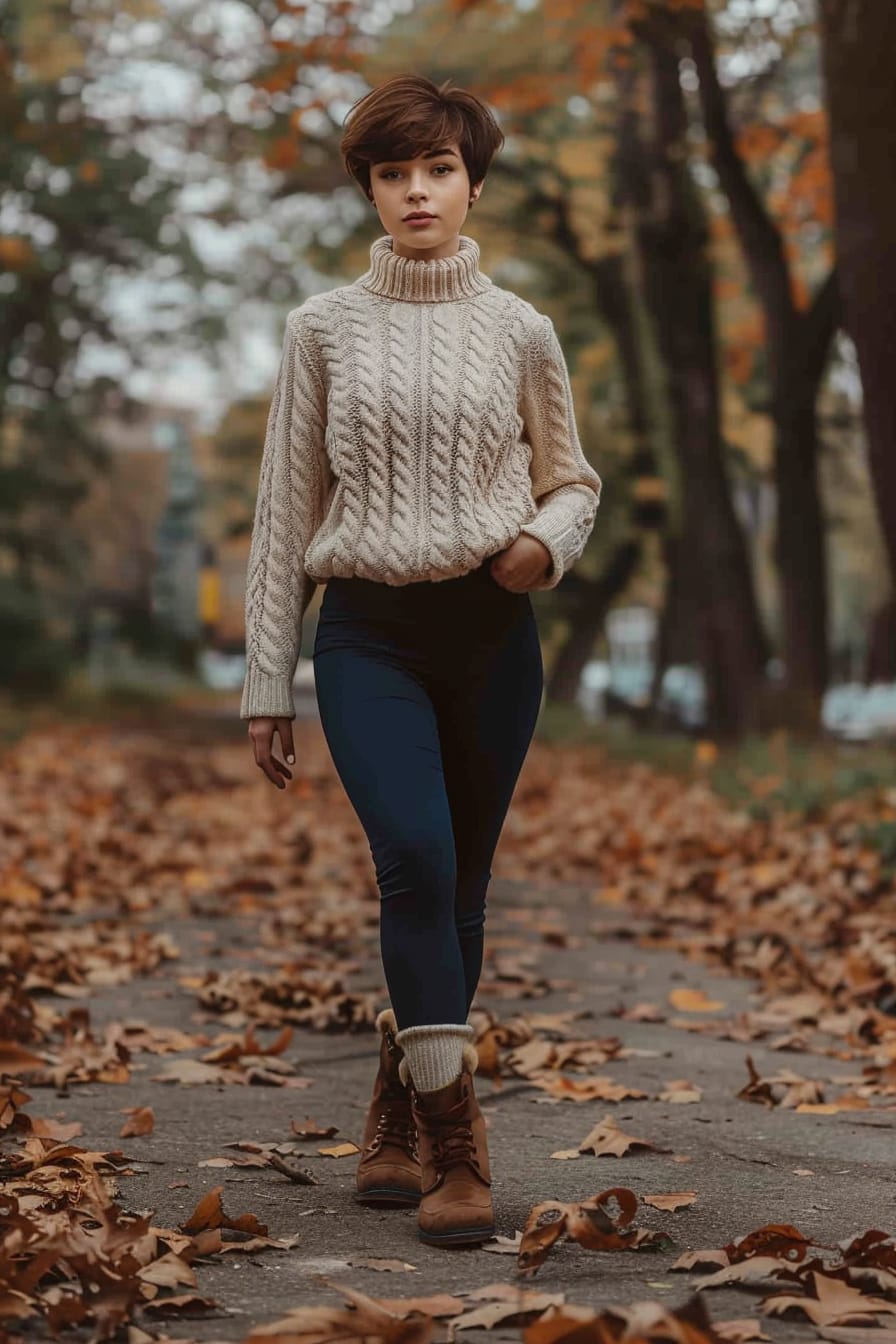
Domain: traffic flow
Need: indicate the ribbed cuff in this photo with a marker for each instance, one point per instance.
(434, 1052)
(266, 695)
(543, 534)
(563, 524)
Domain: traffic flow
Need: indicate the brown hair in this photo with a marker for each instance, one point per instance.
(408, 114)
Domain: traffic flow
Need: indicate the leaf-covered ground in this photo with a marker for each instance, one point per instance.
(686, 1026)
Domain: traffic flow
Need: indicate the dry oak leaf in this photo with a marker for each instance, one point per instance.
(745, 1330)
(595, 1088)
(766, 1252)
(191, 1071)
(779, 1239)
(680, 1092)
(169, 1271)
(505, 1304)
(188, 1304)
(12, 1099)
(641, 1012)
(694, 1001)
(833, 1303)
(871, 1251)
(797, 1090)
(209, 1213)
(848, 1101)
(56, 1129)
(857, 1334)
(756, 1267)
(15, 1059)
(678, 1199)
(309, 1129)
(589, 1222)
(142, 1121)
(233, 1048)
(703, 1258)
(340, 1150)
(606, 1139)
(501, 1245)
(368, 1320)
(640, 1323)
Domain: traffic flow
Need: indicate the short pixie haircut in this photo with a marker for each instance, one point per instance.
(409, 114)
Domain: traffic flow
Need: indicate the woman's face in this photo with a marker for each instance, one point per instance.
(435, 183)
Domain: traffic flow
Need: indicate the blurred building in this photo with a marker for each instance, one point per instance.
(140, 522)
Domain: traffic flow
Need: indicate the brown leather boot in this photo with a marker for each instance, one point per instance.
(456, 1204)
(388, 1170)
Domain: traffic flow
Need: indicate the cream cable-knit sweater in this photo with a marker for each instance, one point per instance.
(422, 418)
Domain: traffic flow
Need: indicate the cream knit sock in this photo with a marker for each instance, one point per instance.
(434, 1052)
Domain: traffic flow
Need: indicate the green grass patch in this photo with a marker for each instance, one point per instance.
(761, 775)
(127, 703)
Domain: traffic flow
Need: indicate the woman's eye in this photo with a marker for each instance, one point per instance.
(389, 171)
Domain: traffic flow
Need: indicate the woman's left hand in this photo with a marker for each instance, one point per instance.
(525, 561)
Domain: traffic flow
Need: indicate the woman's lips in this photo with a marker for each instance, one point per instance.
(416, 223)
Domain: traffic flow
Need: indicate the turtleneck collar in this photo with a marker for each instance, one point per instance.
(432, 281)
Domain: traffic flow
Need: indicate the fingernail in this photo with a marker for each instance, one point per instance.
(291, 759)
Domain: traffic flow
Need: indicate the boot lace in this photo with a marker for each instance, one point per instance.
(453, 1144)
(394, 1125)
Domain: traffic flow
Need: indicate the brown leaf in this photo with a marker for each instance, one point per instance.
(678, 1200)
(15, 1059)
(680, 1092)
(372, 1262)
(142, 1121)
(606, 1139)
(187, 1304)
(694, 1001)
(308, 1129)
(209, 1214)
(587, 1089)
(834, 1303)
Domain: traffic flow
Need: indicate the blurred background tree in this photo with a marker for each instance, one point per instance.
(665, 193)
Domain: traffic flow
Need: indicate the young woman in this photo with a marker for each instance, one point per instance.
(422, 460)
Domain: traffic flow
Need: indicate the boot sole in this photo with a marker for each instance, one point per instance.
(387, 1195)
(463, 1236)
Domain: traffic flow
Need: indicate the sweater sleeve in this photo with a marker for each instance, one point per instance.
(294, 481)
(565, 487)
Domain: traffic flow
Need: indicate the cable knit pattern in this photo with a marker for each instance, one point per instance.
(422, 418)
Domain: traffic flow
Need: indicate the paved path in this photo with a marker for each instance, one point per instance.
(742, 1157)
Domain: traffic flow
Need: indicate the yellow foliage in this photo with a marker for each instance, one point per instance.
(15, 252)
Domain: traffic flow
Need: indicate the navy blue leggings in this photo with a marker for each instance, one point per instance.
(428, 695)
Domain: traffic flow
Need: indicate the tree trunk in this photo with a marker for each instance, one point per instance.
(590, 602)
(800, 559)
(880, 664)
(798, 343)
(677, 626)
(672, 239)
(858, 46)
(586, 601)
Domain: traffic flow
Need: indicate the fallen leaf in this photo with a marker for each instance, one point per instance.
(678, 1200)
(694, 1001)
(142, 1121)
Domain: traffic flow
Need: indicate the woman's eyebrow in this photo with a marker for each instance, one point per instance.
(428, 154)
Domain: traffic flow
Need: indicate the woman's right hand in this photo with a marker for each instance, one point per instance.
(261, 731)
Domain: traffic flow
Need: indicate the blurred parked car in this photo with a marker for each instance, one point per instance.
(682, 697)
(857, 713)
(851, 712)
